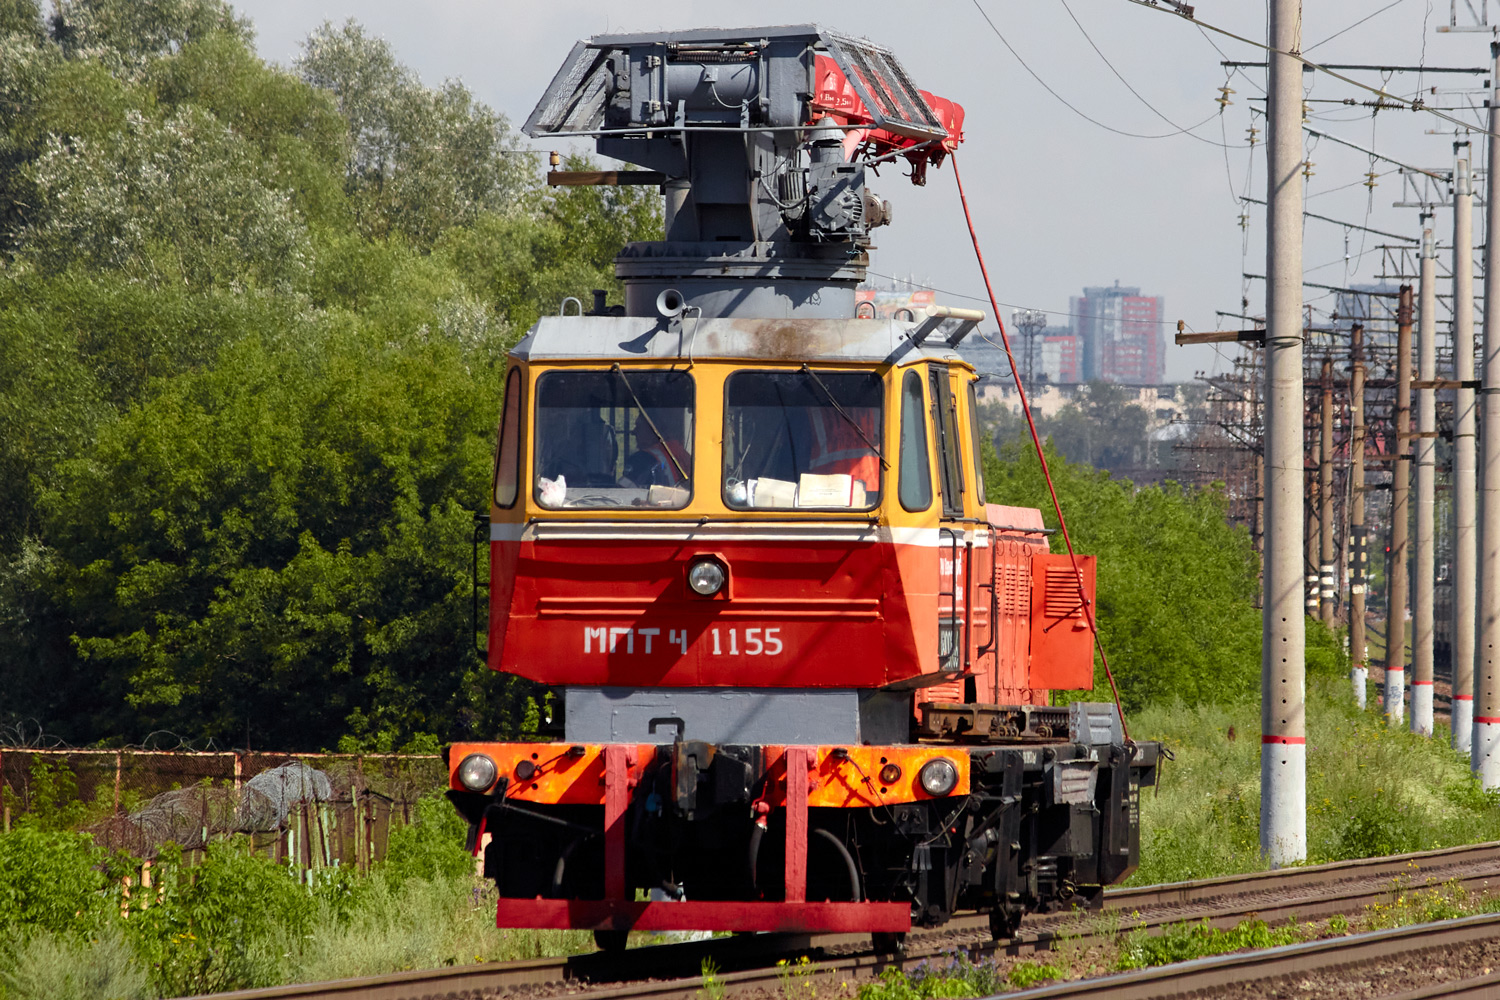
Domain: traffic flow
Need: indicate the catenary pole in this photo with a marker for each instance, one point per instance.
(1426, 508)
(1395, 563)
(1485, 753)
(1359, 563)
(1465, 488)
(1327, 530)
(1314, 496)
(1283, 722)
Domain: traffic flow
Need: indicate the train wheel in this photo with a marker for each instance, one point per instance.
(1004, 923)
(611, 941)
(889, 942)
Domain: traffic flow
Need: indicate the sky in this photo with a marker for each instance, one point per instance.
(1059, 201)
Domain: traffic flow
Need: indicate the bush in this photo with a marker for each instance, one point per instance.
(52, 882)
(47, 966)
(229, 923)
(431, 847)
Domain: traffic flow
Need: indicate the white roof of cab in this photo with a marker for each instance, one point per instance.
(647, 338)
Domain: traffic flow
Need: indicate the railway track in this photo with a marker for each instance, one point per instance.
(749, 963)
(1252, 973)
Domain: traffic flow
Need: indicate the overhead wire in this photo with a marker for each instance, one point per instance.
(1411, 105)
(1068, 104)
(1153, 109)
(1393, 3)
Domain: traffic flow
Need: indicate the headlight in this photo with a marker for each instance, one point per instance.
(938, 776)
(890, 774)
(477, 772)
(706, 577)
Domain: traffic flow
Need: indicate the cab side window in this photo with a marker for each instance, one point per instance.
(945, 425)
(974, 440)
(508, 460)
(915, 477)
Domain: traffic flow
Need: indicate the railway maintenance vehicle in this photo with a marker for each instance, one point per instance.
(805, 666)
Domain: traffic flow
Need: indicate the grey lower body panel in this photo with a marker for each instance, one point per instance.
(759, 716)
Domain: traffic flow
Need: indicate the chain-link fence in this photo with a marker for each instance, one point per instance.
(311, 810)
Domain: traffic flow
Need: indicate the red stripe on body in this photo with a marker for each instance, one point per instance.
(1490, 719)
(1421, 683)
(1291, 740)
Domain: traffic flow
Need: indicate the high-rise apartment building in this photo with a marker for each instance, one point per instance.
(1062, 360)
(1121, 335)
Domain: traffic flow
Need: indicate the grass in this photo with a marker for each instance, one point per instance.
(238, 921)
(394, 926)
(1372, 789)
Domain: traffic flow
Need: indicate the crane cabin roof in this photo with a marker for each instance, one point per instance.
(651, 339)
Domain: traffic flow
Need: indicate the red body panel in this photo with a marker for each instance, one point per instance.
(1062, 644)
(796, 612)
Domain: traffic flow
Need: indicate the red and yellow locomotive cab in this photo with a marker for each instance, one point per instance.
(804, 664)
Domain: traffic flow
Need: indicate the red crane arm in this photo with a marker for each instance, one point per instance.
(836, 99)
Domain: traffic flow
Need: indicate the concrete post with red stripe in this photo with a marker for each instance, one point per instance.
(1395, 564)
(1283, 722)
(1485, 753)
(1426, 507)
(1359, 564)
(1465, 487)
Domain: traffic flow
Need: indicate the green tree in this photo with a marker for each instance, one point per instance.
(1103, 427)
(127, 34)
(170, 202)
(525, 265)
(296, 519)
(420, 160)
(252, 325)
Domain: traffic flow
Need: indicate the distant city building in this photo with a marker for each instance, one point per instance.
(1121, 335)
(1062, 355)
(1165, 403)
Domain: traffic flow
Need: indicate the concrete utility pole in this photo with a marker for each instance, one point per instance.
(1359, 565)
(1465, 488)
(1310, 519)
(1327, 530)
(1485, 752)
(1283, 719)
(1426, 562)
(1395, 564)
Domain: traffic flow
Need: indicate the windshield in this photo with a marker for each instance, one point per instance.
(614, 438)
(802, 439)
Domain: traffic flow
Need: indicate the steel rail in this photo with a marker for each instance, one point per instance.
(750, 961)
(1240, 968)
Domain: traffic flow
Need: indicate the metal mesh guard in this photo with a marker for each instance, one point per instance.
(884, 87)
(574, 101)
